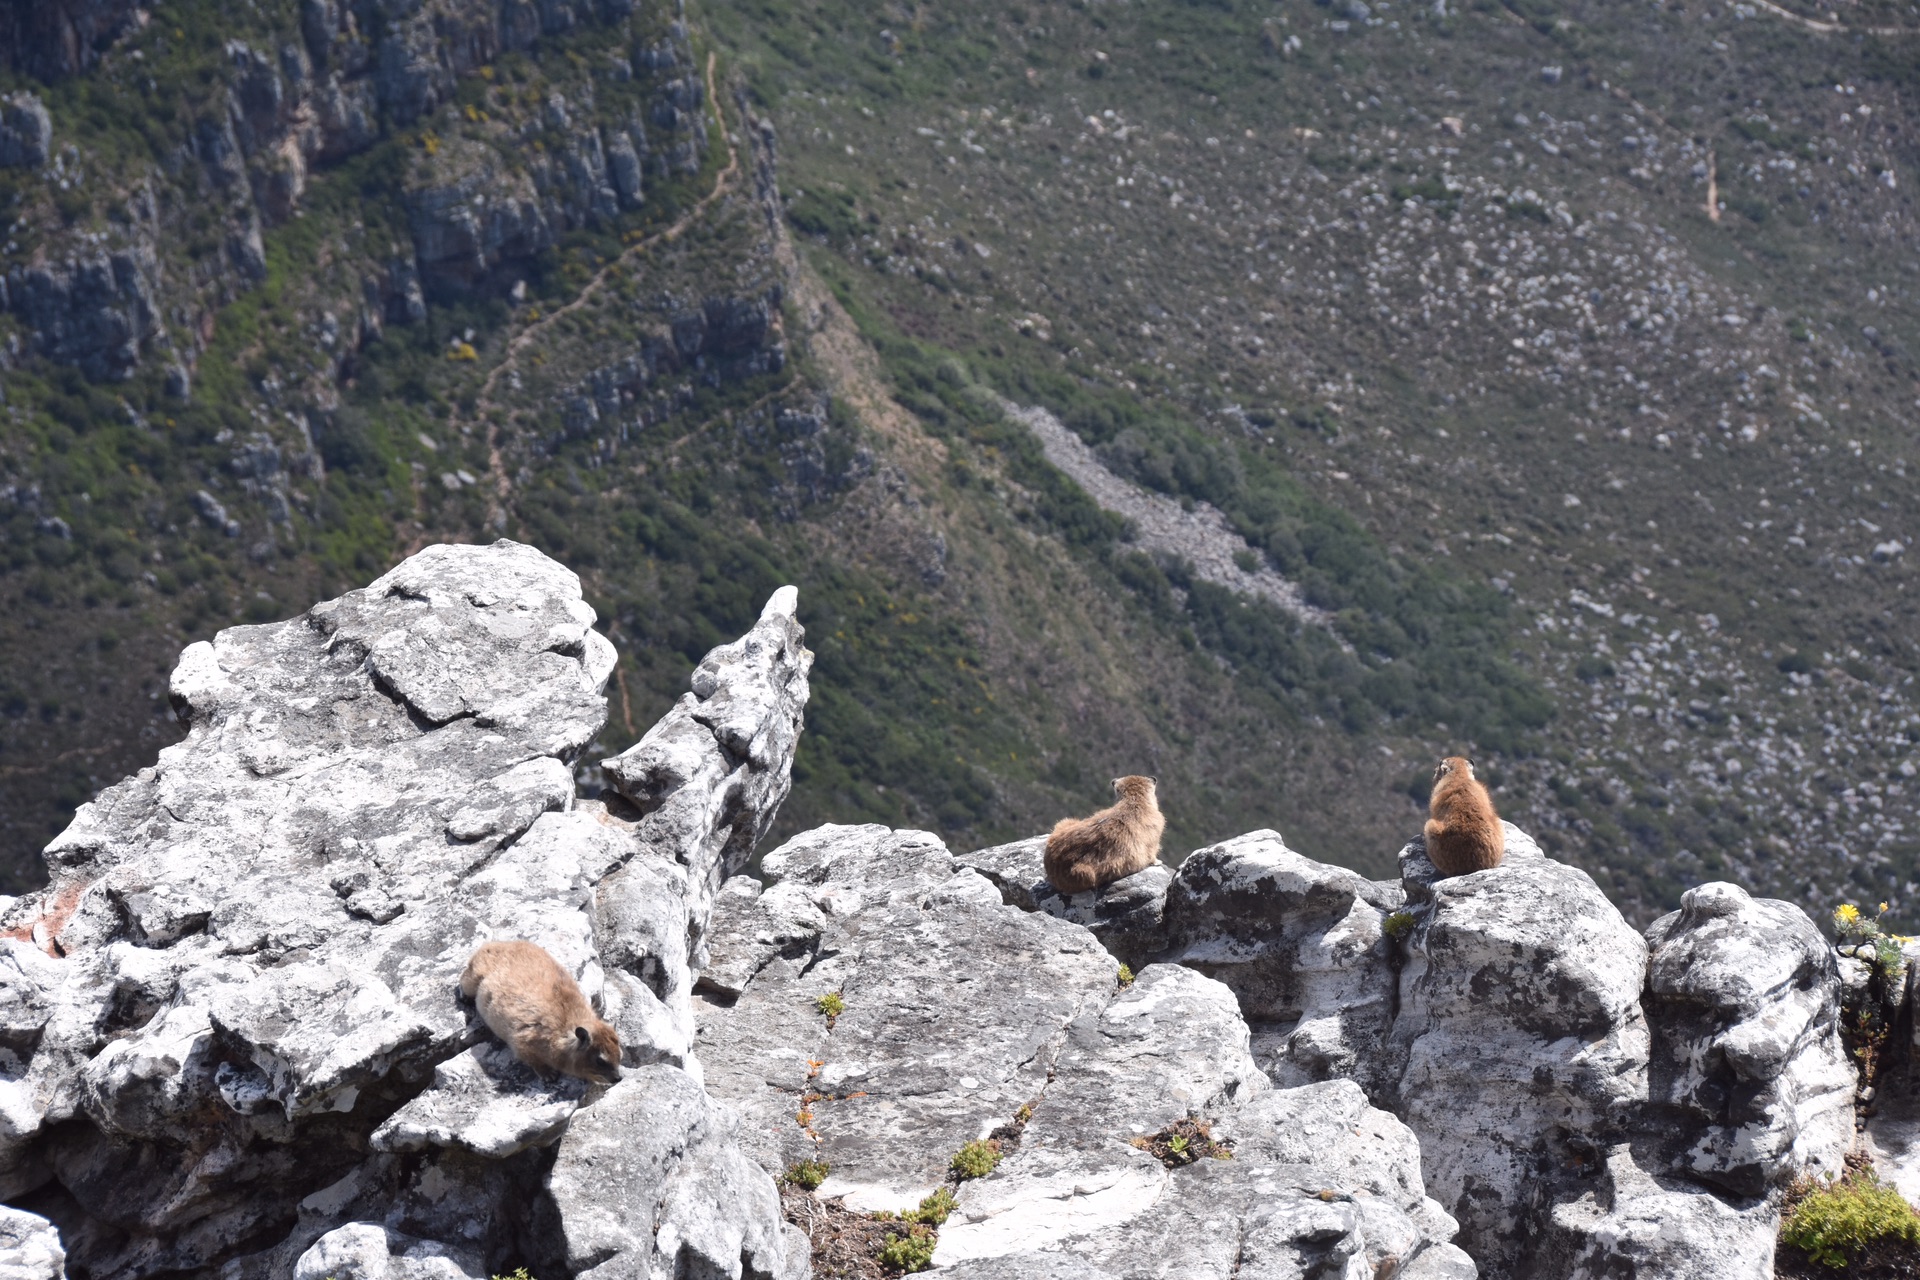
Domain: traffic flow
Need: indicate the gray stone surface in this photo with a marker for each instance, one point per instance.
(369, 1251)
(961, 1010)
(29, 1247)
(1519, 1030)
(1302, 945)
(1630, 1222)
(648, 1182)
(956, 1006)
(1744, 1001)
(485, 1101)
(250, 952)
(1128, 916)
(26, 132)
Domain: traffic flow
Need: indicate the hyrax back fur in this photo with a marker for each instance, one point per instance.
(1464, 832)
(537, 1008)
(1085, 853)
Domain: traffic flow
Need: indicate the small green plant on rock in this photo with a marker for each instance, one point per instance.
(1835, 1221)
(911, 1252)
(1398, 925)
(932, 1212)
(977, 1159)
(831, 1004)
(808, 1174)
(1126, 975)
(1184, 1142)
(934, 1209)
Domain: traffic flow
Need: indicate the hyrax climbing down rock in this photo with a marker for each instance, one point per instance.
(1464, 832)
(539, 1010)
(1085, 853)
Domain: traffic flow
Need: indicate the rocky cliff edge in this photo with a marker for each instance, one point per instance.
(231, 1042)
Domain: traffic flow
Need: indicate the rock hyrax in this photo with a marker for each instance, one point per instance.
(1085, 853)
(537, 1008)
(1464, 832)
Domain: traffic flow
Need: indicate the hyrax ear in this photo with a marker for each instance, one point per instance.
(581, 1034)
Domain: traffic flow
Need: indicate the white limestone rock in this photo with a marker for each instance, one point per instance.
(369, 1251)
(485, 1101)
(29, 1247)
(956, 1005)
(961, 1010)
(1743, 995)
(251, 951)
(648, 1182)
(1519, 1038)
(1301, 943)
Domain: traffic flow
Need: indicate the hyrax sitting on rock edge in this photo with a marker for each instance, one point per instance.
(1085, 853)
(1464, 833)
(537, 1008)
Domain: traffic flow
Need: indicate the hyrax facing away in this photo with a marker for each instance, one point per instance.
(1085, 853)
(539, 1010)
(1464, 832)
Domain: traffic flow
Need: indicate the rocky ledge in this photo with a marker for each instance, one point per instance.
(231, 1042)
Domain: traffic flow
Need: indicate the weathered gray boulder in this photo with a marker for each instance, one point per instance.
(233, 1015)
(26, 132)
(648, 1182)
(369, 1251)
(1520, 1042)
(955, 1005)
(1301, 943)
(1628, 1221)
(1128, 916)
(29, 1247)
(966, 1018)
(1743, 998)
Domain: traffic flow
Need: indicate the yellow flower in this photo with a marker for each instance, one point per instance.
(1846, 913)
(1883, 908)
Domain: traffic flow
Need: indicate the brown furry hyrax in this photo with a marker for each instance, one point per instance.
(1085, 853)
(1464, 832)
(537, 1008)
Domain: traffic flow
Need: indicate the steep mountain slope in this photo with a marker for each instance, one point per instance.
(1456, 272)
(1427, 305)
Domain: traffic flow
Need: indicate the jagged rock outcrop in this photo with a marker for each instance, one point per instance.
(231, 1040)
(50, 39)
(233, 1036)
(26, 132)
(1743, 999)
(479, 211)
(965, 1017)
(95, 312)
(1586, 1100)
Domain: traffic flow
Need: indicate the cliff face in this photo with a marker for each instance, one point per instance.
(233, 1040)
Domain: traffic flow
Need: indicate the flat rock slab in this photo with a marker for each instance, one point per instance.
(485, 1101)
(955, 1006)
(1316, 1176)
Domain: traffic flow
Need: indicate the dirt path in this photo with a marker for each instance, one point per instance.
(483, 405)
